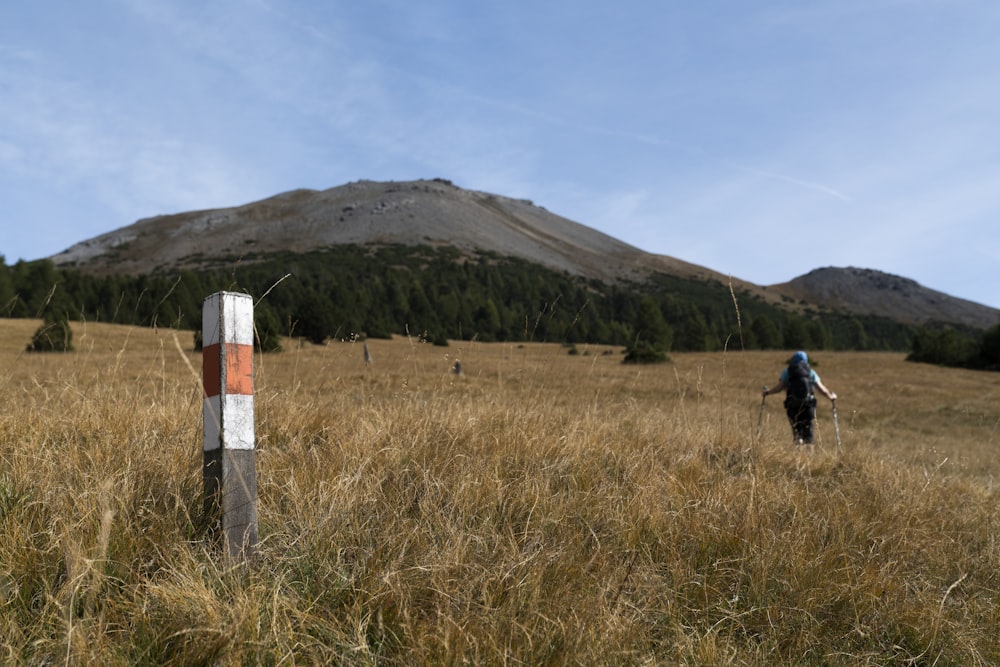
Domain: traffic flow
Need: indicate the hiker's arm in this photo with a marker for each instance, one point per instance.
(826, 392)
(776, 388)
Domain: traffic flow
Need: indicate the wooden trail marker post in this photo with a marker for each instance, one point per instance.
(230, 469)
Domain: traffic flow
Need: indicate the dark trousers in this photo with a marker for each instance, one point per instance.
(801, 416)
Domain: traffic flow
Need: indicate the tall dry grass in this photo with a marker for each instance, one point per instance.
(541, 508)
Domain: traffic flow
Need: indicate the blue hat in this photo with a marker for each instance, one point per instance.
(800, 356)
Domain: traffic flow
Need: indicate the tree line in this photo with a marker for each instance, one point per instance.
(438, 294)
(947, 345)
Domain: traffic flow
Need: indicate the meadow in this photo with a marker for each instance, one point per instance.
(541, 508)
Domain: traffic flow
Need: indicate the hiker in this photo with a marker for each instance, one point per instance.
(798, 381)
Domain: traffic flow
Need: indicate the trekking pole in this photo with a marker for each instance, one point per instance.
(836, 426)
(760, 416)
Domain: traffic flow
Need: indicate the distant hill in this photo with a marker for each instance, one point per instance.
(870, 292)
(437, 213)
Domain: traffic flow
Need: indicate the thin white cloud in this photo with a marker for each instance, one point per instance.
(309, 29)
(788, 179)
(647, 139)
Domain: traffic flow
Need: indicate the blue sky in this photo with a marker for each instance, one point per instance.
(760, 139)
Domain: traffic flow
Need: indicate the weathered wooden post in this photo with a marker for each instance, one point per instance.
(230, 469)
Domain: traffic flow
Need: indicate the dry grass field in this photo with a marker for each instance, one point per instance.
(541, 508)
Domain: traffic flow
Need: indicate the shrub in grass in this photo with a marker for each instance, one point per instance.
(644, 353)
(54, 335)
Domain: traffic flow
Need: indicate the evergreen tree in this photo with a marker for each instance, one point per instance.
(315, 319)
(857, 337)
(796, 334)
(943, 346)
(397, 301)
(267, 329)
(819, 337)
(35, 283)
(7, 294)
(766, 332)
(652, 336)
(651, 326)
(989, 349)
(642, 352)
(54, 335)
(488, 321)
(695, 336)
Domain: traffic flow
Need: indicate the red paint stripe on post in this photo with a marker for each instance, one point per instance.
(229, 449)
(239, 369)
(211, 370)
(231, 362)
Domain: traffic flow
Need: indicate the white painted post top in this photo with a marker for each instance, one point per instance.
(227, 317)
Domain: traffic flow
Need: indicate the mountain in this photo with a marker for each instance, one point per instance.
(436, 213)
(431, 212)
(870, 292)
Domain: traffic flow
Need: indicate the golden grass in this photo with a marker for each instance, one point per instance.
(541, 508)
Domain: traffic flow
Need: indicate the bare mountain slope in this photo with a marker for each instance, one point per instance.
(870, 292)
(418, 212)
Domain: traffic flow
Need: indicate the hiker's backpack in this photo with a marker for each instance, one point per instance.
(798, 387)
